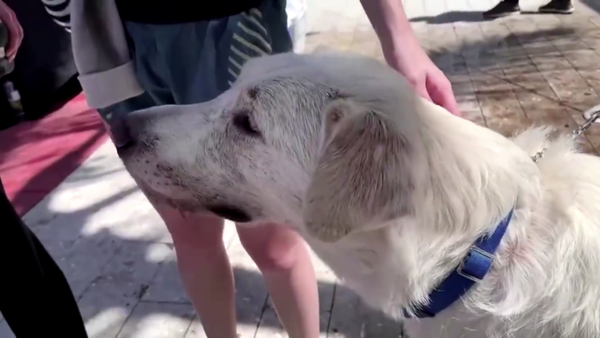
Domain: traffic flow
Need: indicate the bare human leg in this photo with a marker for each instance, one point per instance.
(283, 258)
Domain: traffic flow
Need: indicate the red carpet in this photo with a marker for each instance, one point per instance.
(36, 156)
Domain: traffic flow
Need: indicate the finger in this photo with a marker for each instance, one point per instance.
(448, 101)
(11, 49)
(419, 85)
(421, 90)
(11, 18)
(14, 41)
(442, 95)
(15, 30)
(21, 35)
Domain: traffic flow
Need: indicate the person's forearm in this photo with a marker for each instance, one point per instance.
(389, 21)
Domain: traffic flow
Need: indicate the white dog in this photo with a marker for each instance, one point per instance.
(406, 203)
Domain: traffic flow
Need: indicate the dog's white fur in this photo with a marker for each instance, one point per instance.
(390, 191)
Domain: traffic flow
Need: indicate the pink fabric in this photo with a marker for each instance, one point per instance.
(36, 156)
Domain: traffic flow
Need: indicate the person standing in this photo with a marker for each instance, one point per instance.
(135, 54)
(35, 297)
(508, 7)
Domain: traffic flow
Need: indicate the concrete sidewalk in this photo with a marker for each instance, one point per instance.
(118, 255)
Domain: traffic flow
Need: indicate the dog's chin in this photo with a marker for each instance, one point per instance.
(187, 205)
(187, 202)
(175, 197)
(232, 213)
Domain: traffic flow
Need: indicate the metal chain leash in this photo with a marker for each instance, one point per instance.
(581, 129)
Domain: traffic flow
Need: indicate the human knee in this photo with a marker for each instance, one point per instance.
(273, 248)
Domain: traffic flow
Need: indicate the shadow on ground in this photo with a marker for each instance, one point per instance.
(592, 4)
(451, 17)
(463, 16)
(506, 53)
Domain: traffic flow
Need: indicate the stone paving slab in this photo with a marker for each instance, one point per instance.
(506, 74)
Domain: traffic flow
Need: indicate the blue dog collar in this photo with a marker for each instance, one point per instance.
(473, 268)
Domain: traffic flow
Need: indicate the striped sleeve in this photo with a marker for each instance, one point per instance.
(59, 10)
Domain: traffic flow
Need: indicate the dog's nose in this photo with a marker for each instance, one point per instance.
(119, 133)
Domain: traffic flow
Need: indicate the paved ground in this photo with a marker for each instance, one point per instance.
(505, 73)
(119, 258)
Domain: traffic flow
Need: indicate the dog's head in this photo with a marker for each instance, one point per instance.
(328, 143)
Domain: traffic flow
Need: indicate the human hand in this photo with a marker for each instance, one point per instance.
(408, 58)
(15, 31)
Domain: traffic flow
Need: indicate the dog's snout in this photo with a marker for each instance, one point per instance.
(136, 127)
(137, 123)
(145, 122)
(119, 133)
(231, 213)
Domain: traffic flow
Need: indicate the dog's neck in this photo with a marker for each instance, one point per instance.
(474, 177)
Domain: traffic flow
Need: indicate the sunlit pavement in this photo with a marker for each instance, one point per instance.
(506, 74)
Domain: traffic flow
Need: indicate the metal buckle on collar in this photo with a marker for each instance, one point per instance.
(474, 250)
(591, 116)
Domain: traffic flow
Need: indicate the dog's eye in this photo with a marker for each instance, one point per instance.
(244, 122)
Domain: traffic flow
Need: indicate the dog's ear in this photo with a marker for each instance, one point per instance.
(362, 177)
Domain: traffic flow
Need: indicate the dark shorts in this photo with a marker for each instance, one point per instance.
(195, 62)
